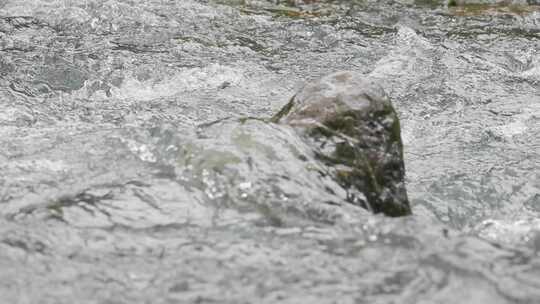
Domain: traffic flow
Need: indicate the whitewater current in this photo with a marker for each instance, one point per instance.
(124, 176)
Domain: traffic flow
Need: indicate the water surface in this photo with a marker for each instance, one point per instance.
(115, 187)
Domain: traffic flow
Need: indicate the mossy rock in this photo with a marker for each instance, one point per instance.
(350, 122)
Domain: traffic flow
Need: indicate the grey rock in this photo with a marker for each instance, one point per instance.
(350, 122)
(332, 152)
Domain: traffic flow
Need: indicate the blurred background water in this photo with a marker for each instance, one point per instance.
(116, 187)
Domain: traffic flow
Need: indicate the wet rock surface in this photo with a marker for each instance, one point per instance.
(355, 129)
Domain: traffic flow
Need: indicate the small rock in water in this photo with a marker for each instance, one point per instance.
(487, 2)
(351, 124)
(492, 2)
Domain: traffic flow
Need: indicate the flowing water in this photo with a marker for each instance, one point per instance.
(117, 185)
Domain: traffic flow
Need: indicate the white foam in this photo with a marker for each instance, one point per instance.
(186, 80)
(508, 231)
(405, 63)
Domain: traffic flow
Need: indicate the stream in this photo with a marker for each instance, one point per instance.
(120, 180)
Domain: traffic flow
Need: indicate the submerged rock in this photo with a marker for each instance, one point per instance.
(333, 152)
(351, 124)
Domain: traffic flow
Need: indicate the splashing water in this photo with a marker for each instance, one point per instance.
(117, 184)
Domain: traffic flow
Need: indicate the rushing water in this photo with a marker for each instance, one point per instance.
(116, 187)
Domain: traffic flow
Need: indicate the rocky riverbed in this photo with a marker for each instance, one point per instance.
(125, 176)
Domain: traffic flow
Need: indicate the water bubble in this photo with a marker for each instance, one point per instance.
(372, 237)
(244, 185)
